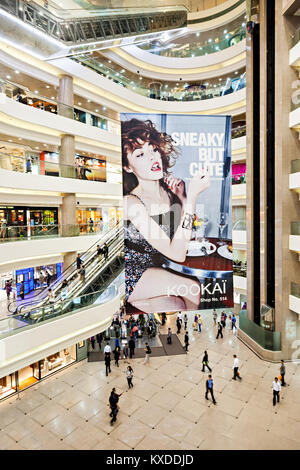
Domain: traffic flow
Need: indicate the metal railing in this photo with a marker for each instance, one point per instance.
(33, 166)
(239, 270)
(93, 26)
(270, 340)
(295, 38)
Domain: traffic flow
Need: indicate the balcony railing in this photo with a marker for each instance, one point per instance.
(13, 233)
(270, 340)
(25, 96)
(208, 43)
(240, 270)
(295, 228)
(40, 167)
(178, 92)
(295, 38)
(239, 178)
(295, 290)
(295, 166)
(238, 132)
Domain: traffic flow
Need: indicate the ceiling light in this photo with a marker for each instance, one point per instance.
(109, 61)
(8, 77)
(52, 97)
(97, 110)
(197, 34)
(225, 31)
(79, 104)
(17, 71)
(20, 138)
(210, 40)
(104, 108)
(35, 91)
(88, 101)
(9, 140)
(141, 78)
(36, 148)
(166, 86)
(45, 145)
(122, 71)
(47, 86)
(236, 73)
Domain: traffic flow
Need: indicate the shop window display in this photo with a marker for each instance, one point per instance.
(57, 361)
(8, 385)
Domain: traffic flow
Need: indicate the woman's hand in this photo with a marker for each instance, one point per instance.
(199, 183)
(177, 186)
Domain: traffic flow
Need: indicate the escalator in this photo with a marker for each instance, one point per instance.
(99, 274)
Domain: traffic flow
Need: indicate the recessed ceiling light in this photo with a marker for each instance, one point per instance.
(141, 78)
(9, 140)
(52, 97)
(45, 145)
(225, 31)
(236, 73)
(47, 86)
(20, 138)
(109, 61)
(104, 108)
(17, 71)
(79, 104)
(35, 91)
(8, 77)
(88, 101)
(36, 148)
(97, 110)
(197, 34)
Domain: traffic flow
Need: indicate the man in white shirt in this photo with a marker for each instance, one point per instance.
(107, 348)
(276, 387)
(235, 367)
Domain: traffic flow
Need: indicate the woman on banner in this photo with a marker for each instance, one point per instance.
(158, 215)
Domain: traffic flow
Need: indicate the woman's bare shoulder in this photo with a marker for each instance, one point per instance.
(132, 206)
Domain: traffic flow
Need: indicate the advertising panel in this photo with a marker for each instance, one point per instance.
(177, 212)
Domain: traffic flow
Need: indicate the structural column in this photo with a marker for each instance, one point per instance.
(65, 99)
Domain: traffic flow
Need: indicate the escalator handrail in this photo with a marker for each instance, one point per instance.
(39, 302)
(41, 295)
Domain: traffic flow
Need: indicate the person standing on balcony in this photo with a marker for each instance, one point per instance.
(91, 225)
(22, 290)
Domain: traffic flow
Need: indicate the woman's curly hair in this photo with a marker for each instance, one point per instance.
(134, 134)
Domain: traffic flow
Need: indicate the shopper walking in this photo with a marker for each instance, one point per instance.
(125, 351)
(147, 353)
(210, 389)
(215, 316)
(186, 341)
(219, 330)
(91, 225)
(205, 362)
(276, 387)
(129, 375)
(22, 290)
(282, 373)
(113, 403)
(117, 353)
(99, 252)
(169, 336)
(199, 323)
(105, 250)
(131, 345)
(185, 319)
(8, 289)
(93, 342)
(99, 339)
(107, 360)
(107, 349)
(78, 263)
(178, 324)
(235, 367)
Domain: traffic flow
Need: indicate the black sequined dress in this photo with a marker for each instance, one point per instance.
(139, 253)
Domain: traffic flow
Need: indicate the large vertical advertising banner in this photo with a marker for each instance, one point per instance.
(177, 212)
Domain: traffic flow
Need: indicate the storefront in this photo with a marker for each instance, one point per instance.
(37, 277)
(89, 220)
(33, 373)
(87, 168)
(19, 222)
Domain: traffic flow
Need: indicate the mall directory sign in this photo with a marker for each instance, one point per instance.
(177, 212)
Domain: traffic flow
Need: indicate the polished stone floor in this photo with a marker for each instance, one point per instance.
(166, 408)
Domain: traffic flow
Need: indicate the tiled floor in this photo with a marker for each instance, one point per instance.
(166, 408)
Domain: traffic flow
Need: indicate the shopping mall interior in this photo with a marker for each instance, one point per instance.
(69, 70)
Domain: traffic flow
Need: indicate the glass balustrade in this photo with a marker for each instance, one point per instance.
(295, 289)
(295, 38)
(295, 228)
(295, 166)
(192, 45)
(23, 95)
(270, 340)
(178, 92)
(27, 165)
(13, 233)
(239, 179)
(240, 270)
(238, 132)
(46, 313)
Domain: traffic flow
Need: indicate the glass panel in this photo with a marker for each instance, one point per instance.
(270, 340)
(295, 289)
(295, 228)
(295, 166)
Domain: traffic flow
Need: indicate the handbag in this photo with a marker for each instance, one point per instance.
(280, 377)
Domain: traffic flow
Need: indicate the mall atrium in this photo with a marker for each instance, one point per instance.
(69, 70)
